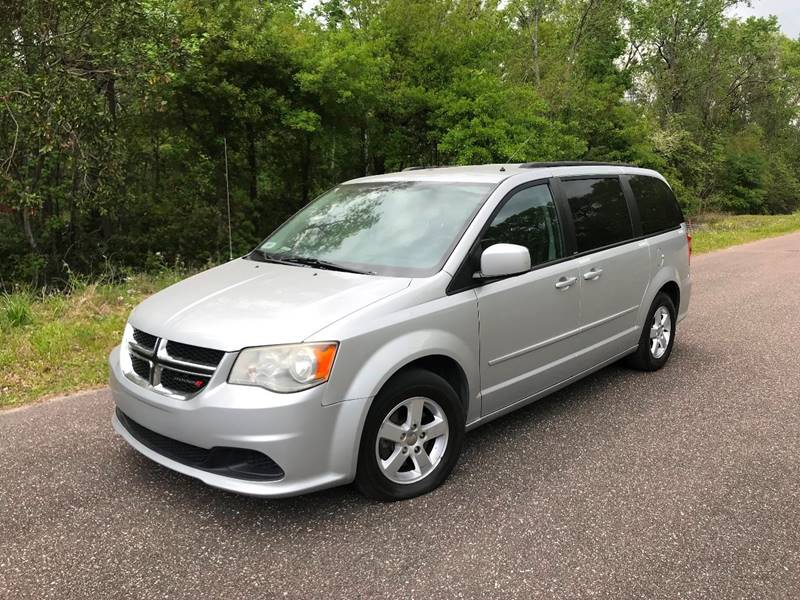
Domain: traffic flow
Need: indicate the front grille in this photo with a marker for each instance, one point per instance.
(145, 340)
(141, 367)
(195, 354)
(241, 463)
(181, 382)
(170, 367)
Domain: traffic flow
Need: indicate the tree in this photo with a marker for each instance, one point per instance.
(114, 115)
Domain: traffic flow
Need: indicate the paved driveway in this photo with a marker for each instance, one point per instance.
(682, 483)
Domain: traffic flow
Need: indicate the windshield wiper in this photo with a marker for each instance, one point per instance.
(321, 264)
(264, 256)
(305, 261)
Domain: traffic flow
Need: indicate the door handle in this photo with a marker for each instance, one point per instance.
(592, 274)
(565, 282)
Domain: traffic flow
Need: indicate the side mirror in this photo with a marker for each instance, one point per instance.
(504, 259)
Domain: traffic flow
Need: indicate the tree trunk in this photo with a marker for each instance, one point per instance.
(73, 208)
(26, 224)
(577, 38)
(26, 211)
(156, 168)
(535, 46)
(252, 164)
(306, 168)
(111, 97)
(333, 157)
(365, 149)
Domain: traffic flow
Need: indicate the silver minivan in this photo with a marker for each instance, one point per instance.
(366, 335)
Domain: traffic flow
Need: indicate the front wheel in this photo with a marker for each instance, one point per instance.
(412, 437)
(658, 336)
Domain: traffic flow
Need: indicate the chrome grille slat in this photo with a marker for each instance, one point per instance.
(165, 358)
(144, 340)
(140, 349)
(189, 354)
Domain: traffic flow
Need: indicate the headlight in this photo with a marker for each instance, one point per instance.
(284, 368)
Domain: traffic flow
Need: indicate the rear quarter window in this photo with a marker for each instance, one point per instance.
(658, 208)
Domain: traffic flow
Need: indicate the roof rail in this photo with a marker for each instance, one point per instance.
(573, 163)
(418, 168)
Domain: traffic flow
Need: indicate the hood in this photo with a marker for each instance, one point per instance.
(245, 303)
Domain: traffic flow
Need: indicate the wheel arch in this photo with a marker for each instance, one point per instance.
(673, 290)
(446, 367)
(665, 280)
(443, 352)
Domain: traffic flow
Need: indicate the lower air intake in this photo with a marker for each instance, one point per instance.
(240, 463)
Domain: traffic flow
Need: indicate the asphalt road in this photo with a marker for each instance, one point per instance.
(679, 484)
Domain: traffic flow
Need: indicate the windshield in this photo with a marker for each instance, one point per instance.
(405, 228)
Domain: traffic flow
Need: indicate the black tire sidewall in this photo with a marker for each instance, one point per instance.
(650, 361)
(369, 479)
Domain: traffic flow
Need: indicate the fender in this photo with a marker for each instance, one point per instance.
(664, 275)
(399, 352)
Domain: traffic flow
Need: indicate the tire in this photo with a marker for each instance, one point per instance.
(650, 356)
(393, 467)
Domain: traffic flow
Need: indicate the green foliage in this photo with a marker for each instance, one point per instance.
(782, 188)
(744, 170)
(115, 116)
(483, 120)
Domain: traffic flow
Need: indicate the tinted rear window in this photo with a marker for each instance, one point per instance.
(658, 209)
(599, 212)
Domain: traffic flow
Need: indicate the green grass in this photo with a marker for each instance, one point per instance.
(58, 343)
(714, 232)
(16, 310)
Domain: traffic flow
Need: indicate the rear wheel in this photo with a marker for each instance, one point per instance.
(412, 437)
(658, 336)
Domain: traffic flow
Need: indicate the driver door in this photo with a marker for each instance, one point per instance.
(528, 322)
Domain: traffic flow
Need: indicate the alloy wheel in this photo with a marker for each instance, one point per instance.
(660, 332)
(412, 440)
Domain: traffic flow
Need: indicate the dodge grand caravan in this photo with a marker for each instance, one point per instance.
(395, 312)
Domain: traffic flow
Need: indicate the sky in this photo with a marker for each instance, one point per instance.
(787, 11)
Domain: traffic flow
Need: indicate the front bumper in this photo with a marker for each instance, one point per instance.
(315, 446)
